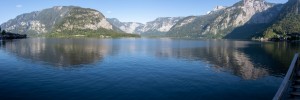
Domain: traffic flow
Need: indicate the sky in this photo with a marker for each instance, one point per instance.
(125, 10)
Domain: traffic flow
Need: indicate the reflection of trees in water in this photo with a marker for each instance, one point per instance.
(2, 43)
(224, 55)
(282, 51)
(60, 52)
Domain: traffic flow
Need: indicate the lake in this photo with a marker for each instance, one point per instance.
(142, 69)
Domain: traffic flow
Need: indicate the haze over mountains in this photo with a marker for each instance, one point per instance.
(243, 20)
(159, 25)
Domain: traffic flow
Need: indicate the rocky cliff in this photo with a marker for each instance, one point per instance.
(222, 21)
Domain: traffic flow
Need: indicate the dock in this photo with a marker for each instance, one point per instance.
(290, 86)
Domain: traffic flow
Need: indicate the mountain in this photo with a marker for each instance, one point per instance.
(257, 24)
(224, 20)
(287, 22)
(216, 9)
(243, 20)
(162, 24)
(128, 27)
(62, 20)
(158, 26)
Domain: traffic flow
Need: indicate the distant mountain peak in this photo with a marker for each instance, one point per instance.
(219, 8)
(248, 1)
(159, 25)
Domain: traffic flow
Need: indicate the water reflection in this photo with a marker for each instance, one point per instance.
(282, 51)
(59, 52)
(223, 55)
(249, 60)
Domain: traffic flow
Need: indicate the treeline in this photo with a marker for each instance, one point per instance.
(3, 32)
(286, 27)
(9, 35)
(100, 33)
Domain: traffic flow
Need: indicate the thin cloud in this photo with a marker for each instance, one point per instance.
(109, 12)
(19, 6)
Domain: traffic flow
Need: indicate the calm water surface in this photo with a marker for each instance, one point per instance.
(142, 69)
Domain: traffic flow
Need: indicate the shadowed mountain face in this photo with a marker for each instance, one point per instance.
(223, 21)
(287, 21)
(257, 24)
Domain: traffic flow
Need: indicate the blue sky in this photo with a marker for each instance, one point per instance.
(124, 10)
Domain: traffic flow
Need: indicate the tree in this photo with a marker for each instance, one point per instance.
(3, 32)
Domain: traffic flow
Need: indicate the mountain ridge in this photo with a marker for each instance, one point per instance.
(158, 25)
(222, 22)
(63, 21)
(243, 20)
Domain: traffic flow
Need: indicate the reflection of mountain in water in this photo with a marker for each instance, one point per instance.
(249, 60)
(59, 52)
(242, 58)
